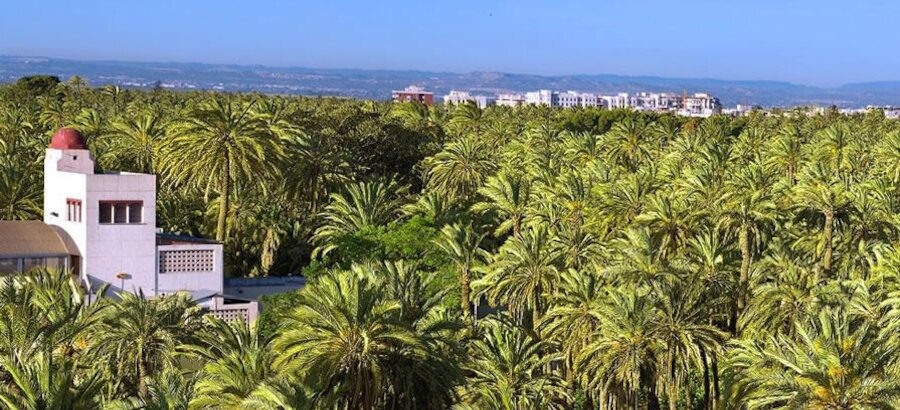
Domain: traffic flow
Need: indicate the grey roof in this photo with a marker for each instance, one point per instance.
(33, 238)
(266, 281)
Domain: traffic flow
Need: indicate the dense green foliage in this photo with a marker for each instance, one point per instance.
(625, 259)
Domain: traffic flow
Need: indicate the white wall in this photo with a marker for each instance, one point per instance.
(172, 282)
(105, 249)
(128, 248)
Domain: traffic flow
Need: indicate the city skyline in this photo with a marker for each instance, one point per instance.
(797, 41)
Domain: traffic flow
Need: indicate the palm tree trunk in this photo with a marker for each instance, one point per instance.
(465, 299)
(715, 377)
(142, 378)
(744, 284)
(827, 236)
(705, 378)
(224, 194)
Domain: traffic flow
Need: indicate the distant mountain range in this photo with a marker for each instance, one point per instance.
(377, 84)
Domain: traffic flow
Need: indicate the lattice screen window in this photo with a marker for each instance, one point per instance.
(186, 261)
(231, 315)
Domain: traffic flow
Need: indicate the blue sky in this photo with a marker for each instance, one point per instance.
(824, 42)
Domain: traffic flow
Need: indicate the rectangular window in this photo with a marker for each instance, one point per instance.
(135, 213)
(121, 212)
(105, 213)
(9, 265)
(73, 210)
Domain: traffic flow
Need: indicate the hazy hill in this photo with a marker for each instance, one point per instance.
(377, 84)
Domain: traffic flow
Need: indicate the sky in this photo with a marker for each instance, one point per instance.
(823, 43)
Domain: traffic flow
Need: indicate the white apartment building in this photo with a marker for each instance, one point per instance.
(701, 105)
(570, 99)
(458, 97)
(542, 97)
(620, 100)
(510, 100)
(102, 227)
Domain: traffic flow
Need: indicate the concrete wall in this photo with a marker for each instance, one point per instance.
(105, 249)
(175, 281)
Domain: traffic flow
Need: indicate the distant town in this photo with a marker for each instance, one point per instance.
(688, 105)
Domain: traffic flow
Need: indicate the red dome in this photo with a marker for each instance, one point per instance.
(68, 138)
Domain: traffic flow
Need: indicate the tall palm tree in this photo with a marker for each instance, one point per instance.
(364, 205)
(237, 363)
(572, 320)
(170, 390)
(622, 358)
(463, 246)
(508, 371)
(627, 143)
(524, 272)
(820, 193)
(133, 142)
(344, 336)
(508, 197)
(137, 338)
(460, 169)
(749, 212)
(833, 362)
(222, 142)
(42, 383)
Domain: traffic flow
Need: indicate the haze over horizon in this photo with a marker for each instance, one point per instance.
(798, 41)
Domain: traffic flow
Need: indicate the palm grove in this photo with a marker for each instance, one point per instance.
(473, 259)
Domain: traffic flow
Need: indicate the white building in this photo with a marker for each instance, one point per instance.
(542, 97)
(701, 105)
(510, 100)
(620, 100)
(104, 230)
(458, 97)
(571, 99)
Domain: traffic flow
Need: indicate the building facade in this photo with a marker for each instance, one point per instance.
(413, 94)
(459, 97)
(102, 227)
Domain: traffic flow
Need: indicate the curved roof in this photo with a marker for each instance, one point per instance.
(68, 138)
(33, 238)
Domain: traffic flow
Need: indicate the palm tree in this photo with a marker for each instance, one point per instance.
(749, 212)
(833, 362)
(137, 338)
(20, 193)
(365, 205)
(683, 327)
(508, 197)
(786, 152)
(572, 320)
(460, 169)
(523, 273)
(221, 143)
(133, 142)
(313, 168)
(628, 144)
(344, 337)
(821, 193)
(170, 390)
(463, 246)
(508, 371)
(834, 144)
(237, 363)
(42, 382)
(672, 220)
(622, 357)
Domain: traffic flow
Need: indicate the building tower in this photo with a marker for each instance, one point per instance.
(110, 217)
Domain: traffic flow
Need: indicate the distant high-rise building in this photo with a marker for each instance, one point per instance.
(413, 93)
